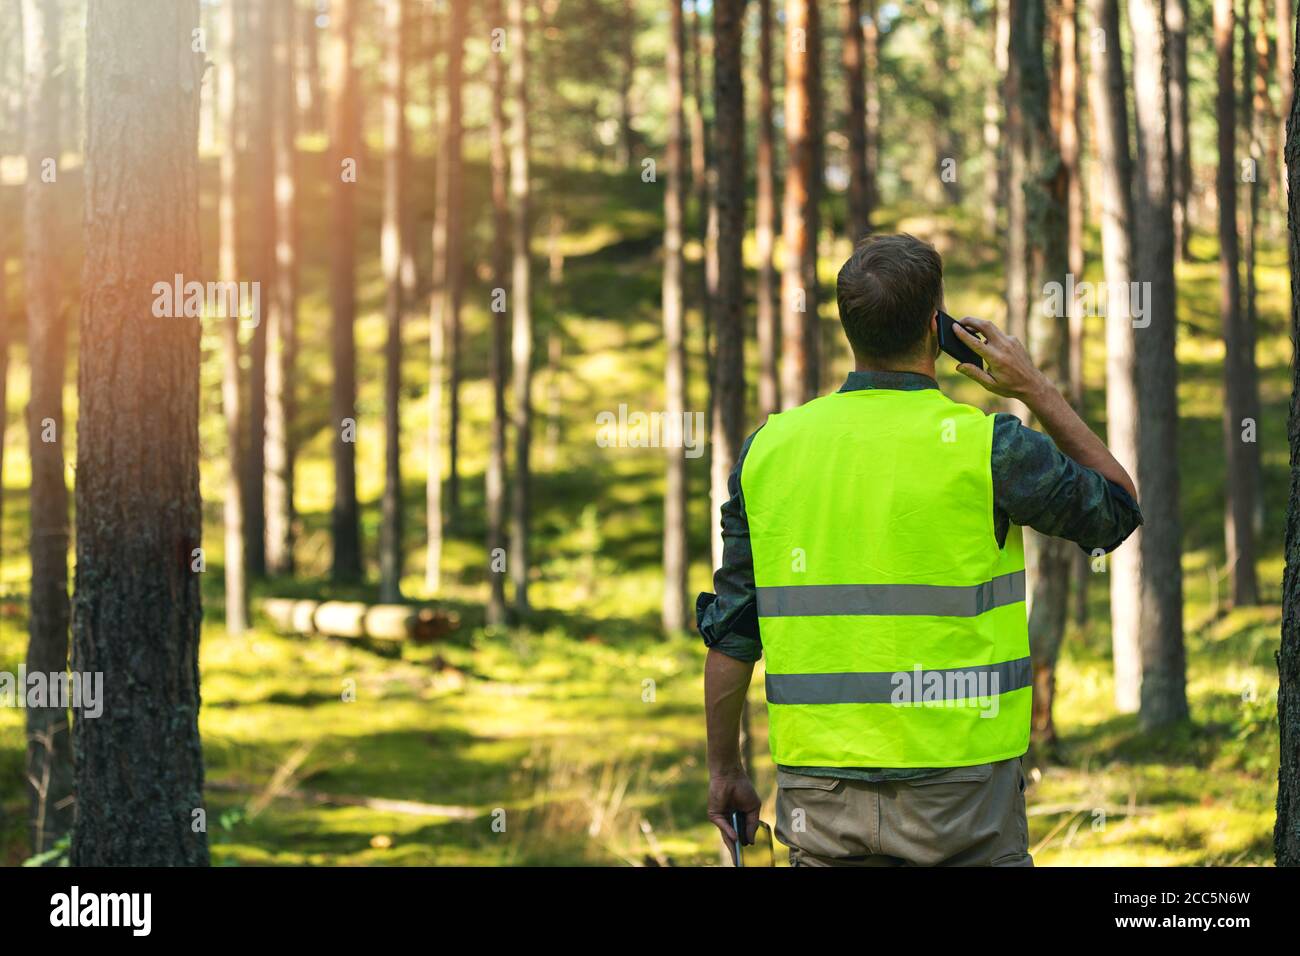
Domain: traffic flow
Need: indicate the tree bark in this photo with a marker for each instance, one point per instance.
(262, 159)
(139, 768)
(228, 271)
(1160, 615)
(495, 479)
(995, 167)
(1106, 96)
(674, 616)
(800, 328)
(871, 57)
(309, 100)
(49, 752)
(345, 147)
(729, 364)
(444, 309)
(1286, 833)
(1286, 21)
(1047, 239)
(282, 320)
(768, 319)
(859, 217)
(521, 340)
(1238, 359)
(395, 189)
(1180, 142)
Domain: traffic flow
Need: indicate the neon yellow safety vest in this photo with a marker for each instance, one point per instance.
(893, 625)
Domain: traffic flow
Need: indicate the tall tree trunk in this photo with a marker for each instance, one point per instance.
(1286, 47)
(1047, 238)
(521, 339)
(1160, 613)
(495, 479)
(453, 134)
(1286, 833)
(1258, 109)
(139, 771)
(444, 307)
(816, 190)
(262, 157)
(1070, 135)
(395, 142)
(728, 384)
(675, 559)
(1180, 140)
(626, 134)
(704, 175)
(49, 751)
(871, 59)
(310, 102)
(345, 148)
(994, 169)
(1017, 251)
(800, 329)
(1106, 99)
(282, 320)
(1239, 480)
(228, 271)
(768, 320)
(859, 217)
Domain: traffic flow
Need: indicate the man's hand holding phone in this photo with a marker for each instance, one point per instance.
(1011, 372)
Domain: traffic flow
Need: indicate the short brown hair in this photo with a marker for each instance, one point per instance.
(887, 292)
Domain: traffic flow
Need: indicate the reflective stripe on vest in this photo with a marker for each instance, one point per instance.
(893, 625)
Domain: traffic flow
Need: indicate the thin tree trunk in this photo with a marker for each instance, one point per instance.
(49, 751)
(264, 234)
(626, 134)
(1239, 480)
(859, 217)
(1160, 616)
(675, 555)
(282, 320)
(310, 102)
(495, 479)
(345, 148)
(1106, 98)
(453, 134)
(444, 309)
(1180, 141)
(521, 340)
(1047, 237)
(228, 271)
(704, 176)
(871, 57)
(1017, 252)
(994, 188)
(1286, 23)
(395, 142)
(768, 319)
(139, 775)
(1286, 832)
(728, 384)
(1258, 109)
(800, 331)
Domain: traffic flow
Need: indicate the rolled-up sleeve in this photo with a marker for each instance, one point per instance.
(728, 618)
(1037, 485)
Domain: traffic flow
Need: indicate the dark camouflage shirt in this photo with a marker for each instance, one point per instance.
(1034, 484)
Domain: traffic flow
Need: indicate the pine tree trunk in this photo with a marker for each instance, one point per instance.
(395, 143)
(626, 134)
(521, 340)
(1160, 615)
(859, 217)
(453, 134)
(675, 560)
(49, 751)
(139, 767)
(310, 102)
(1286, 24)
(1180, 145)
(1238, 361)
(728, 385)
(1286, 833)
(994, 188)
(495, 478)
(228, 271)
(768, 320)
(282, 319)
(1047, 238)
(800, 331)
(1106, 97)
(262, 158)
(345, 148)
(871, 57)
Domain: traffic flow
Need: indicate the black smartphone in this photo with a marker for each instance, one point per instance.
(950, 344)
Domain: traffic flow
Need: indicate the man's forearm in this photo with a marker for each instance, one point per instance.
(1073, 436)
(726, 682)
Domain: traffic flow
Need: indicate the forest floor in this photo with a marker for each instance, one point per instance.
(579, 740)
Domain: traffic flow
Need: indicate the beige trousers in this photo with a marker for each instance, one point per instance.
(966, 816)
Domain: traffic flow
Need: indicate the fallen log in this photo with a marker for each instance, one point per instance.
(356, 619)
